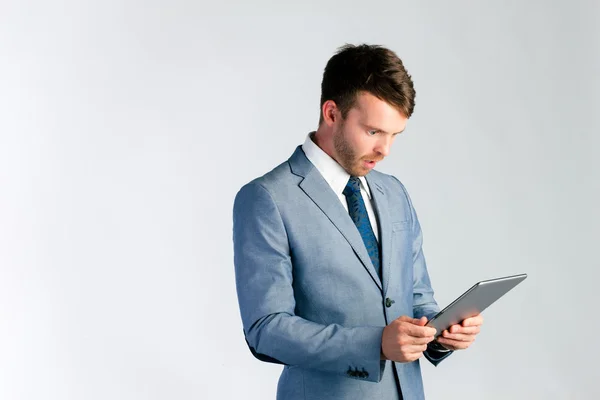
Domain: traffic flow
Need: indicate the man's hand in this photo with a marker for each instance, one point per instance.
(461, 336)
(405, 339)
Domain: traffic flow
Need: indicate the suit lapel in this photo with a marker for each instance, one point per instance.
(385, 229)
(315, 187)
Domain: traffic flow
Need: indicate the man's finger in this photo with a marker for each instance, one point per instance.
(415, 352)
(419, 331)
(458, 336)
(415, 348)
(473, 321)
(453, 344)
(417, 341)
(416, 321)
(473, 330)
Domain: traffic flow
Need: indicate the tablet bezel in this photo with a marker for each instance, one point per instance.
(459, 309)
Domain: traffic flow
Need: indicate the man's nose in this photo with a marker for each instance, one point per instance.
(383, 146)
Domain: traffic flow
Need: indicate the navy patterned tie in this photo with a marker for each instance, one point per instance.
(358, 213)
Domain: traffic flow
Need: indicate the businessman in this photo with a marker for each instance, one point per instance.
(330, 273)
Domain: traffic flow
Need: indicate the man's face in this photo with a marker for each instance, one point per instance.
(366, 135)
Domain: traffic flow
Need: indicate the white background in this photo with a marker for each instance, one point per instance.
(127, 127)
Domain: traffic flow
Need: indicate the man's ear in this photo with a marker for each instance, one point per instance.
(330, 112)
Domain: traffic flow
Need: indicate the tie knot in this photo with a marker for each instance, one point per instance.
(353, 186)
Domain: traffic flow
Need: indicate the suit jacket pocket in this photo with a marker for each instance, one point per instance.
(401, 225)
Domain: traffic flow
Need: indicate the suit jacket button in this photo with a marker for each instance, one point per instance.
(389, 302)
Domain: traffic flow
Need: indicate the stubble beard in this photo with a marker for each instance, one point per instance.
(346, 154)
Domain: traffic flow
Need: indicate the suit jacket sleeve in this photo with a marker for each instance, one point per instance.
(424, 303)
(264, 281)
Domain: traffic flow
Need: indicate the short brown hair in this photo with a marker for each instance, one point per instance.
(367, 68)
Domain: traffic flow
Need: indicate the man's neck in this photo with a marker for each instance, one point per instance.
(320, 139)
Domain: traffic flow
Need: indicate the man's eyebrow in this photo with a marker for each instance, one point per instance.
(371, 127)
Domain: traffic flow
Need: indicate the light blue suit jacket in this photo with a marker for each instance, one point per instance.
(308, 293)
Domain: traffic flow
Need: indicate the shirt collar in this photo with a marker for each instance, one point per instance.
(332, 172)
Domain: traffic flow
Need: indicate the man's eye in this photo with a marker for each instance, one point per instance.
(372, 132)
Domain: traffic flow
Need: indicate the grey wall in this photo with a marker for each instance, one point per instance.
(127, 127)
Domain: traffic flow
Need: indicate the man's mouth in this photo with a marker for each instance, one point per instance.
(370, 164)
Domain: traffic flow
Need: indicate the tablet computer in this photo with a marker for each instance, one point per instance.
(474, 301)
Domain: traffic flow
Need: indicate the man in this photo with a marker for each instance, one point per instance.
(330, 275)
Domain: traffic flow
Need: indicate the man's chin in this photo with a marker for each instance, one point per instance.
(359, 168)
(359, 171)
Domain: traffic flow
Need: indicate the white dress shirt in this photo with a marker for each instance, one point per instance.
(337, 178)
